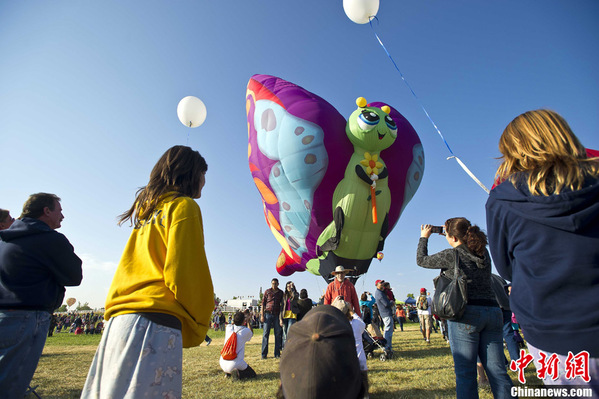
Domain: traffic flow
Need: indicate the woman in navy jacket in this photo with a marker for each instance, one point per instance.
(543, 229)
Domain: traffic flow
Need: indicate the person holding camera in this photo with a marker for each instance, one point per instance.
(237, 368)
(479, 331)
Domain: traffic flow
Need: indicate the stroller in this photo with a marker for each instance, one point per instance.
(413, 316)
(371, 344)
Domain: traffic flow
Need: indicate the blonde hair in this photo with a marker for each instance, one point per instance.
(541, 144)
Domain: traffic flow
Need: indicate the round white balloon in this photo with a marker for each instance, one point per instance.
(360, 11)
(191, 111)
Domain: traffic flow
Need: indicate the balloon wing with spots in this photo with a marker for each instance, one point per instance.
(297, 153)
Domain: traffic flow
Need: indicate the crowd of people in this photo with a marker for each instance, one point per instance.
(77, 323)
(543, 236)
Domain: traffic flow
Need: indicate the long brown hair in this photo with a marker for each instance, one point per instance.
(541, 144)
(471, 235)
(179, 169)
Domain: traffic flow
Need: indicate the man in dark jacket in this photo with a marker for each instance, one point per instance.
(304, 303)
(36, 263)
(387, 310)
(272, 302)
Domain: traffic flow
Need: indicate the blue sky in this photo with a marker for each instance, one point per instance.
(89, 90)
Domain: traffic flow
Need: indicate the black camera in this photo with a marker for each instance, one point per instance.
(437, 229)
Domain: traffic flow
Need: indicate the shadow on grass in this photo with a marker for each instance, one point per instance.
(414, 393)
(270, 376)
(67, 393)
(422, 353)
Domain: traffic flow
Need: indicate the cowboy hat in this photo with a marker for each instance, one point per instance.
(340, 270)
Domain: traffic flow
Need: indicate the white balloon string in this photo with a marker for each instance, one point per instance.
(469, 172)
(424, 109)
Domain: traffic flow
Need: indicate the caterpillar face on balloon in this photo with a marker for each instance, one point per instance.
(328, 196)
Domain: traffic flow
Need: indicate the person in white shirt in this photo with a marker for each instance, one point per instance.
(358, 327)
(238, 368)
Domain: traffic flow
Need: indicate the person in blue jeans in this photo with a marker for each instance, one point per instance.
(479, 332)
(387, 311)
(289, 309)
(269, 315)
(36, 263)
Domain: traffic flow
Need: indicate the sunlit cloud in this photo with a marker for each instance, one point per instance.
(91, 263)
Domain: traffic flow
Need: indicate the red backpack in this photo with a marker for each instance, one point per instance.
(229, 351)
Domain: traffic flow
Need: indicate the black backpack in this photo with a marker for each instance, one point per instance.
(422, 302)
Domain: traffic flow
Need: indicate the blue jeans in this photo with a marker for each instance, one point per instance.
(388, 332)
(271, 320)
(286, 324)
(22, 337)
(508, 336)
(479, 333)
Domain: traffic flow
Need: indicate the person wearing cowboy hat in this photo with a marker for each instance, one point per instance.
(341, 286)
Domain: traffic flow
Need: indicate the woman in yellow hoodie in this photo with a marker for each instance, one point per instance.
(161, 296)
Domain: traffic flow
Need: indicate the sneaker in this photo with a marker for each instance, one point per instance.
(263, 358)
(428, 341)
(208, 341)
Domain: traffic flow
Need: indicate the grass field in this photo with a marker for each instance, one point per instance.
(419, 370)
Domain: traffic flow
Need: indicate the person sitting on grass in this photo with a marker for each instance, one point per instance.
(238, 368)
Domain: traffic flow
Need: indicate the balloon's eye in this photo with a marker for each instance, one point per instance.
(367, 120)
(391, 125)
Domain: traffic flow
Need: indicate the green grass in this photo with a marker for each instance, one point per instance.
(419, 370)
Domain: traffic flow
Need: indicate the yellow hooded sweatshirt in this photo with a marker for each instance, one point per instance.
(164, 269)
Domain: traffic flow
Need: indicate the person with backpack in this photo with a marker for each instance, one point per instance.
(366, 302)
(423, 304)
(232, 355)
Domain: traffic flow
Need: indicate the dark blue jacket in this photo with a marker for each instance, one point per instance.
(548, 247)
(385, 305)
(36, 263)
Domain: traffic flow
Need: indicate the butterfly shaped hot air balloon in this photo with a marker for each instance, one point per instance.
(331, 189)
